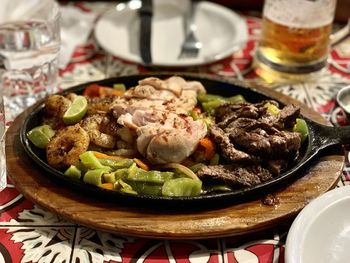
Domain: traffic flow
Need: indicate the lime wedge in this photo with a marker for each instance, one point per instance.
(76, 111)
(41, 135)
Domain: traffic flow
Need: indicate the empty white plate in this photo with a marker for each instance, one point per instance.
(221, 31)
(321, 232)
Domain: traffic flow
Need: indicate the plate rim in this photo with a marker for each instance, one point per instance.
(240, 24)
(302, 222)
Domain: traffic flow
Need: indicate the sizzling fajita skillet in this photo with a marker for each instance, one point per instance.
(161, 218)
(321, 139)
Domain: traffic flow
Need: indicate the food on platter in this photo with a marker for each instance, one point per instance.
(167, 137)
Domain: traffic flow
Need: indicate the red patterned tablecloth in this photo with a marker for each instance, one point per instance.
(29, 233)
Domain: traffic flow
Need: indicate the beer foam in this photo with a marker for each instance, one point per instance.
(300, 13)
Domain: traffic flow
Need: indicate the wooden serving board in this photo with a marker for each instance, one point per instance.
(232, 220)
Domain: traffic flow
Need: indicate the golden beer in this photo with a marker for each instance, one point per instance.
(294, 46)
(294, 40)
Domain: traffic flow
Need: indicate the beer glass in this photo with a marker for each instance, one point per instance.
(295, 38)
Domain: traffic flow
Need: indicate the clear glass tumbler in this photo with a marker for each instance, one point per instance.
(295, 38)
(29, 47)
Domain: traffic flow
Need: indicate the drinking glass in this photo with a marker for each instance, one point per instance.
(29, 47)
(295, 38)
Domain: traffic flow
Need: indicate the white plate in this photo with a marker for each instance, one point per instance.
(221, 31)
(321, 232)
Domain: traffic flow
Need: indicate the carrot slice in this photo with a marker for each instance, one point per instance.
(105, 156)
(197, 110)
(95, 90)
(104, 92)
(108, 186)
(92, 90)
(209, 147)
(141, 164)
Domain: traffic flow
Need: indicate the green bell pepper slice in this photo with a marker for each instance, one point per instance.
(90, 161)
(182, 187)
(73, 172)
(204, 97)
(116, 164)
(302, 128)
(40, 136)
(211, 105)
(236, 99)
(123, 187)
(94, 177)
(109, 178)
(156, 177)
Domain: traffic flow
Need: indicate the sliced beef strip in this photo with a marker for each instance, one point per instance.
(279, 146)
(227, 148)
(253, 143)
(288, 115)
(259, 138)
(293, 140)
(234, 175)
(284, 120)
(227, 113)
(282, 144)
(248, 134)
(243, 109)
(248, 125)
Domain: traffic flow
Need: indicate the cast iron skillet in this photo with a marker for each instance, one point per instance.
(320, 138)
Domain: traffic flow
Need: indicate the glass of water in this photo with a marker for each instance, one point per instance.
(29, 47)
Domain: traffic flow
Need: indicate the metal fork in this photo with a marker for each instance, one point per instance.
(191, 46)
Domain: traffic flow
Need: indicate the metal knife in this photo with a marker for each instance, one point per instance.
(146, 13)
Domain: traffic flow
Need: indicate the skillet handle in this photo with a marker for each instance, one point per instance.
(331, 136)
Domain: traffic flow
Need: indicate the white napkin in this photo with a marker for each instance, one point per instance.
(76, 27)
(12, 10)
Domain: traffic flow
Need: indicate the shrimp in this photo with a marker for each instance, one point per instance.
(66, 146)
(100, 105)
(55, 107)
(93, 125)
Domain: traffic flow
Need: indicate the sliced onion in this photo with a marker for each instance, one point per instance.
(185, 170)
